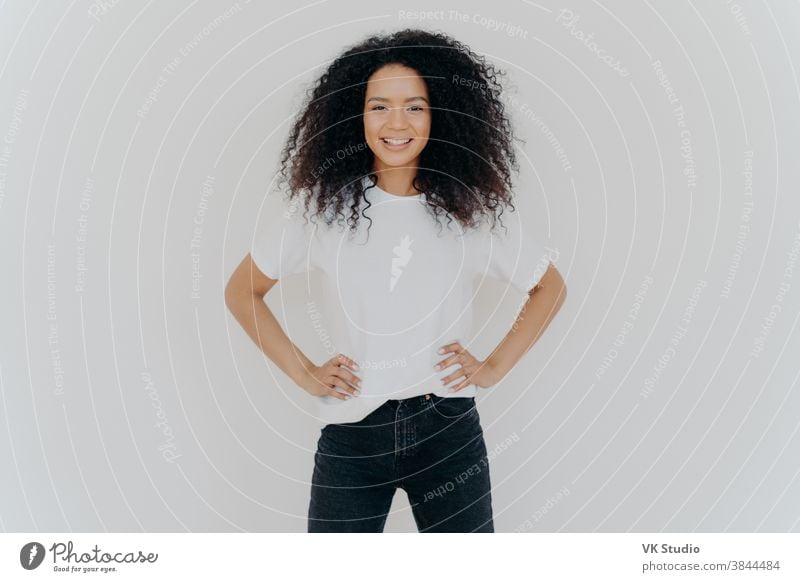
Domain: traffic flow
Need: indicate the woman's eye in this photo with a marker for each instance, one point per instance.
(414, 108)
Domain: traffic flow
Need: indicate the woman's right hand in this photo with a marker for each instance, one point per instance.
(325, 379)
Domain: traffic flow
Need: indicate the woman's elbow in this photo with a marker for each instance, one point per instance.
(233, 293)
(246, 282)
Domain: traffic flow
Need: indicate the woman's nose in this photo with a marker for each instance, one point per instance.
(397, 117)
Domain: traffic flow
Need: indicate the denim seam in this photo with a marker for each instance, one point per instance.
(396, 424)
(463, 415)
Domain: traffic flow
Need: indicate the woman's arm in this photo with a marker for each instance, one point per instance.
(543, 302)
(244, 295)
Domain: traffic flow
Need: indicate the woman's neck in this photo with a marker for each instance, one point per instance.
(397, 181)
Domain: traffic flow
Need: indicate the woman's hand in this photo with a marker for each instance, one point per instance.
(473, 370)
(323, 380)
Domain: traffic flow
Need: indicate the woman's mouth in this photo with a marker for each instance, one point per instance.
(395, 143)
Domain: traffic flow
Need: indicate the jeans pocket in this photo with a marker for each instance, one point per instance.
(453, 407)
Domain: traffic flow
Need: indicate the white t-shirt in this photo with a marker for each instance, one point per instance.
(393, 296)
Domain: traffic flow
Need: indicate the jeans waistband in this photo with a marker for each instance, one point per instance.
(420, 399)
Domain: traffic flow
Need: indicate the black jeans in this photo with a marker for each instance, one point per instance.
(429, 446)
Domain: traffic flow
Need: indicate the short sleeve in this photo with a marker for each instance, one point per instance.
(514, 254)
(282, 243)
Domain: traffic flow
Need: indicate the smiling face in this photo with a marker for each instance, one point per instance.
(397, 116)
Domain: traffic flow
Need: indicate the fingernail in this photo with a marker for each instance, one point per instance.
(357, 392)
(441, 350)
(436, 367)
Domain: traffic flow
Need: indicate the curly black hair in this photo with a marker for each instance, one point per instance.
(465, 168)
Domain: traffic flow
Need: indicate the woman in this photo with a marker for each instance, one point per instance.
(405, 140)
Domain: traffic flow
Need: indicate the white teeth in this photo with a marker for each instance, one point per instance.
(396, 141)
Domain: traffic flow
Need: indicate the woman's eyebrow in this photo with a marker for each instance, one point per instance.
(405, 101)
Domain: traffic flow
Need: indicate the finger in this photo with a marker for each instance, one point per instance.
(467, 381)
(336, 394)
(347, 375)
(341, 359)
(468, 374)
(343, 385)
(448, 348)
(460, 353)
(464, 357)
(447, 362)
(454, 376)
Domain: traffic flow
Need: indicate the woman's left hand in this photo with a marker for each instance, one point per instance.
(473, 370)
